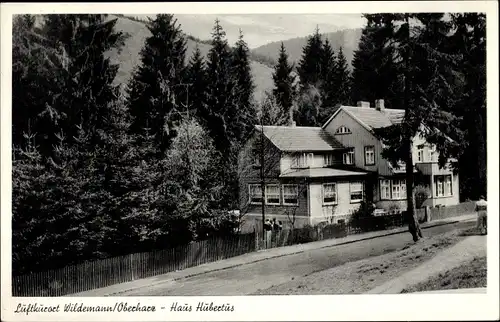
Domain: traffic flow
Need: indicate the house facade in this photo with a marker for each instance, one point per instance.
(321, 174)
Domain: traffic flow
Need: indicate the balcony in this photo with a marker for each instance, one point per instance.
(432, 168)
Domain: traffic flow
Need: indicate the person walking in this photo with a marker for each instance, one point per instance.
(481, 216)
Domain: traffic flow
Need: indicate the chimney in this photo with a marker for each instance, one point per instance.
(379, 105)
(363, 104)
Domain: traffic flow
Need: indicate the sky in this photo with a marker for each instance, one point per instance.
(260, 29)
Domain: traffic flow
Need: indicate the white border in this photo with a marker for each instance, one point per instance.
(334, 307)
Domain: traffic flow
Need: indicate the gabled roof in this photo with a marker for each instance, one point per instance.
(300, 138)
(371, 118)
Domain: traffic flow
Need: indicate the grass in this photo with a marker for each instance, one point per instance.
(363, 275)
(470, 275)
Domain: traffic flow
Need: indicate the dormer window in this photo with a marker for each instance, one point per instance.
(343, 130)
(303, 160)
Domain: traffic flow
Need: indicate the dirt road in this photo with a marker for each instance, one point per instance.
(250, 278)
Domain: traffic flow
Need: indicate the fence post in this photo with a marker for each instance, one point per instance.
(428, 213)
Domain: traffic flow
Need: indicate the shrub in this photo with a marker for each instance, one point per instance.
(361, 218)
(421, 194)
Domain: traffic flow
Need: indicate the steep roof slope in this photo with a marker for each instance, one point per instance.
(300, 138)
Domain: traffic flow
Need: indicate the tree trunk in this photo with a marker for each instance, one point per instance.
(262, 182)
(413, 225)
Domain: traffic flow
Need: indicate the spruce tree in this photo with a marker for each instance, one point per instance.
(329, 87)
(342, 79)
(154, 92)
(309, 68)
(37, 80)
(426, 83)
(244, 88)
(220, 115)
(284, 90)
(374, 73)
(88, 88)
(196, 76)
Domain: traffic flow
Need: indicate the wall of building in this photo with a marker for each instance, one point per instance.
(358, 139)
(343, 208)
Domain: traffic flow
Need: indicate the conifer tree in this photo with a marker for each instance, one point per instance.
(196, 76)
(374, 74)
(329, 86)
(221, 113)
(342, 79)
(244, 87)
(425, 83)
(309, 68)
(88, 88)
(284, 90)
(154, 91)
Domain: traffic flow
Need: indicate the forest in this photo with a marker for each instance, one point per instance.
(100, 172)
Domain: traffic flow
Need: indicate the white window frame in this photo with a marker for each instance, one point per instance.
(328, 159)
(326, 194)
(440, 183)
(285, 194)
(250, 193)
(398, 185)
(343, 130)
(346, 156)
(385, 183)
(310, 160)
(351, 191)
(369, 151)
(420, 154)
(275, 195)
(431, 152)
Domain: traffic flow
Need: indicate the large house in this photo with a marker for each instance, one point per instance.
(321, 174)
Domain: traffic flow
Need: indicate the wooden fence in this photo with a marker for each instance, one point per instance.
(443, 212)
(109, 271)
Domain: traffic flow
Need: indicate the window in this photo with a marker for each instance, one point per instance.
(290, 194)
(420, 154)
(385, 189)
(303, 160)
(369, 155)
(448, 190)
(356, 189)
(256, 159)
(272, 194)
(310, 159)
(398, 189)
(443, 186)
(431, 154)
(343, 130)
(255, 193)
(349, 157)
(328, 159)
(329, 194)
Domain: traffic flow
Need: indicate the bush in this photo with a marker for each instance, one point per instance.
(362, 216)
(421, 194)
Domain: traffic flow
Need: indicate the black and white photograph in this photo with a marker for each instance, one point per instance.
(233, 154)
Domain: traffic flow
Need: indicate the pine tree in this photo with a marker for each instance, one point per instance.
(222, 111)
(425, 83)
(241, 71)
(469, 40)
(374, 74)
(342, 79)
(37, 79)
(196, 76)
(284, 90)
(154, 91)
(329, 86)
(88, 88)
(309, 68)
